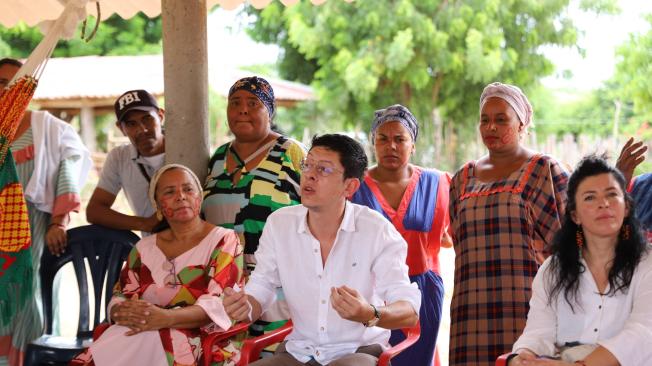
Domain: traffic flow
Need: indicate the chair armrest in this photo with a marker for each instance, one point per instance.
(411, 337)
(252, 347)
(212, 338)
(99, 329)
(502, 359)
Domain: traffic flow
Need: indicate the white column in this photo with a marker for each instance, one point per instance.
(87, 124)
(185, 66)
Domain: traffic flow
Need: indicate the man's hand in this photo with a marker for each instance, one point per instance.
(237, 305)
(149, 223)
(630, 157)
(55, 239)
(350, 305)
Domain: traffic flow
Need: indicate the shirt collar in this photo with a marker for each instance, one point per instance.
(133, 152)
(347, 224)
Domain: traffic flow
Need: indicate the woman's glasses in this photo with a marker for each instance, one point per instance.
(171, 278)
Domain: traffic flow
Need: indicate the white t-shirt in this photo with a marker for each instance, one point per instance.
(121, 171)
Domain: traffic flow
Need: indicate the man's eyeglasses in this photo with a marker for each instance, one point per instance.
(147, 121)
(320, 169)
(171, 279)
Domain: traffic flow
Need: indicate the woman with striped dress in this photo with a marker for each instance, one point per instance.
(252, 176)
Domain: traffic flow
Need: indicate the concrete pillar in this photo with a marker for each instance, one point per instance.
(185, 67)
(87, 124)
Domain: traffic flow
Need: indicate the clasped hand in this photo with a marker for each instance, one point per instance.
(139, 315)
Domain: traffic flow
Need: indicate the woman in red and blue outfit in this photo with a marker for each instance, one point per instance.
(415, 200)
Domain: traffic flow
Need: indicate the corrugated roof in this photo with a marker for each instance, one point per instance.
(102, 77)
(35, 11)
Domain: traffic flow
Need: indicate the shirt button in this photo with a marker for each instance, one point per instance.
(595, 330)
(322, 329)
(323, 301)
(315, 250)
(319, 276)
(599, 306)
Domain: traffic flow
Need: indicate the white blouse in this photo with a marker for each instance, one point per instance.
(621, 323)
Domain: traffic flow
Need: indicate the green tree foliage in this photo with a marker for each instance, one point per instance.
(115, 36)
(634, 72)
(591, 113)
(431, 55)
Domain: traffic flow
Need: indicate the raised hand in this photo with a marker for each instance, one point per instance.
(632, 154)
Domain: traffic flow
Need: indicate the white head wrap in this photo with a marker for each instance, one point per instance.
(159, 173)
(513, 96)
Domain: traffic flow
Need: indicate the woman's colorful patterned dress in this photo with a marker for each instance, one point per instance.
(501, 231)
(244, 206)
(28, 324)
(422, 219)
(201, 274)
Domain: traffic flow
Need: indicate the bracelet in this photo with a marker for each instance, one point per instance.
(62, 226)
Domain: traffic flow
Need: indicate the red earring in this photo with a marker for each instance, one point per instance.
(579, 238)
(625, 231)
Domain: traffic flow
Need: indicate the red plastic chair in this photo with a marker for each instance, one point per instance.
(502, 360)
(252, 347)
(211, 339)
(411, 337)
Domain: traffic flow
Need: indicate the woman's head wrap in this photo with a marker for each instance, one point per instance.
(395, 113)
(154, 181)
(258, 87)
(513, 96)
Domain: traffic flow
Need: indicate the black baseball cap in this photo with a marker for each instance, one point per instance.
(139, 100)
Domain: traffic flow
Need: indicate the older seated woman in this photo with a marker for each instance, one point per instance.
(170, 291)
(591, 299)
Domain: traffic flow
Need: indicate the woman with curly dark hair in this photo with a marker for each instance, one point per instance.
(591, 299)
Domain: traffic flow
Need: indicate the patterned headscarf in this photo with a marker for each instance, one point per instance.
(395, 113)
(154, 181)
(258, 87)
(513, 96)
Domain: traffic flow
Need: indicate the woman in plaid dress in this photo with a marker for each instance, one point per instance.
(504, 209)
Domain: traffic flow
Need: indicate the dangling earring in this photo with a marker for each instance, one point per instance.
(579, 238)
(624, 231)
(159, 215)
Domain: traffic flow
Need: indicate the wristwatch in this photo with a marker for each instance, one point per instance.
(374, 320)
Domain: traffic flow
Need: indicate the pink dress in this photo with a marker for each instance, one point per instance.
(200, 274)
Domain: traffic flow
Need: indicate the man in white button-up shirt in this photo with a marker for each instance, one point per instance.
(341, 266)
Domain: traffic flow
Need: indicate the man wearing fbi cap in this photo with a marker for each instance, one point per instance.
(130, 167)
